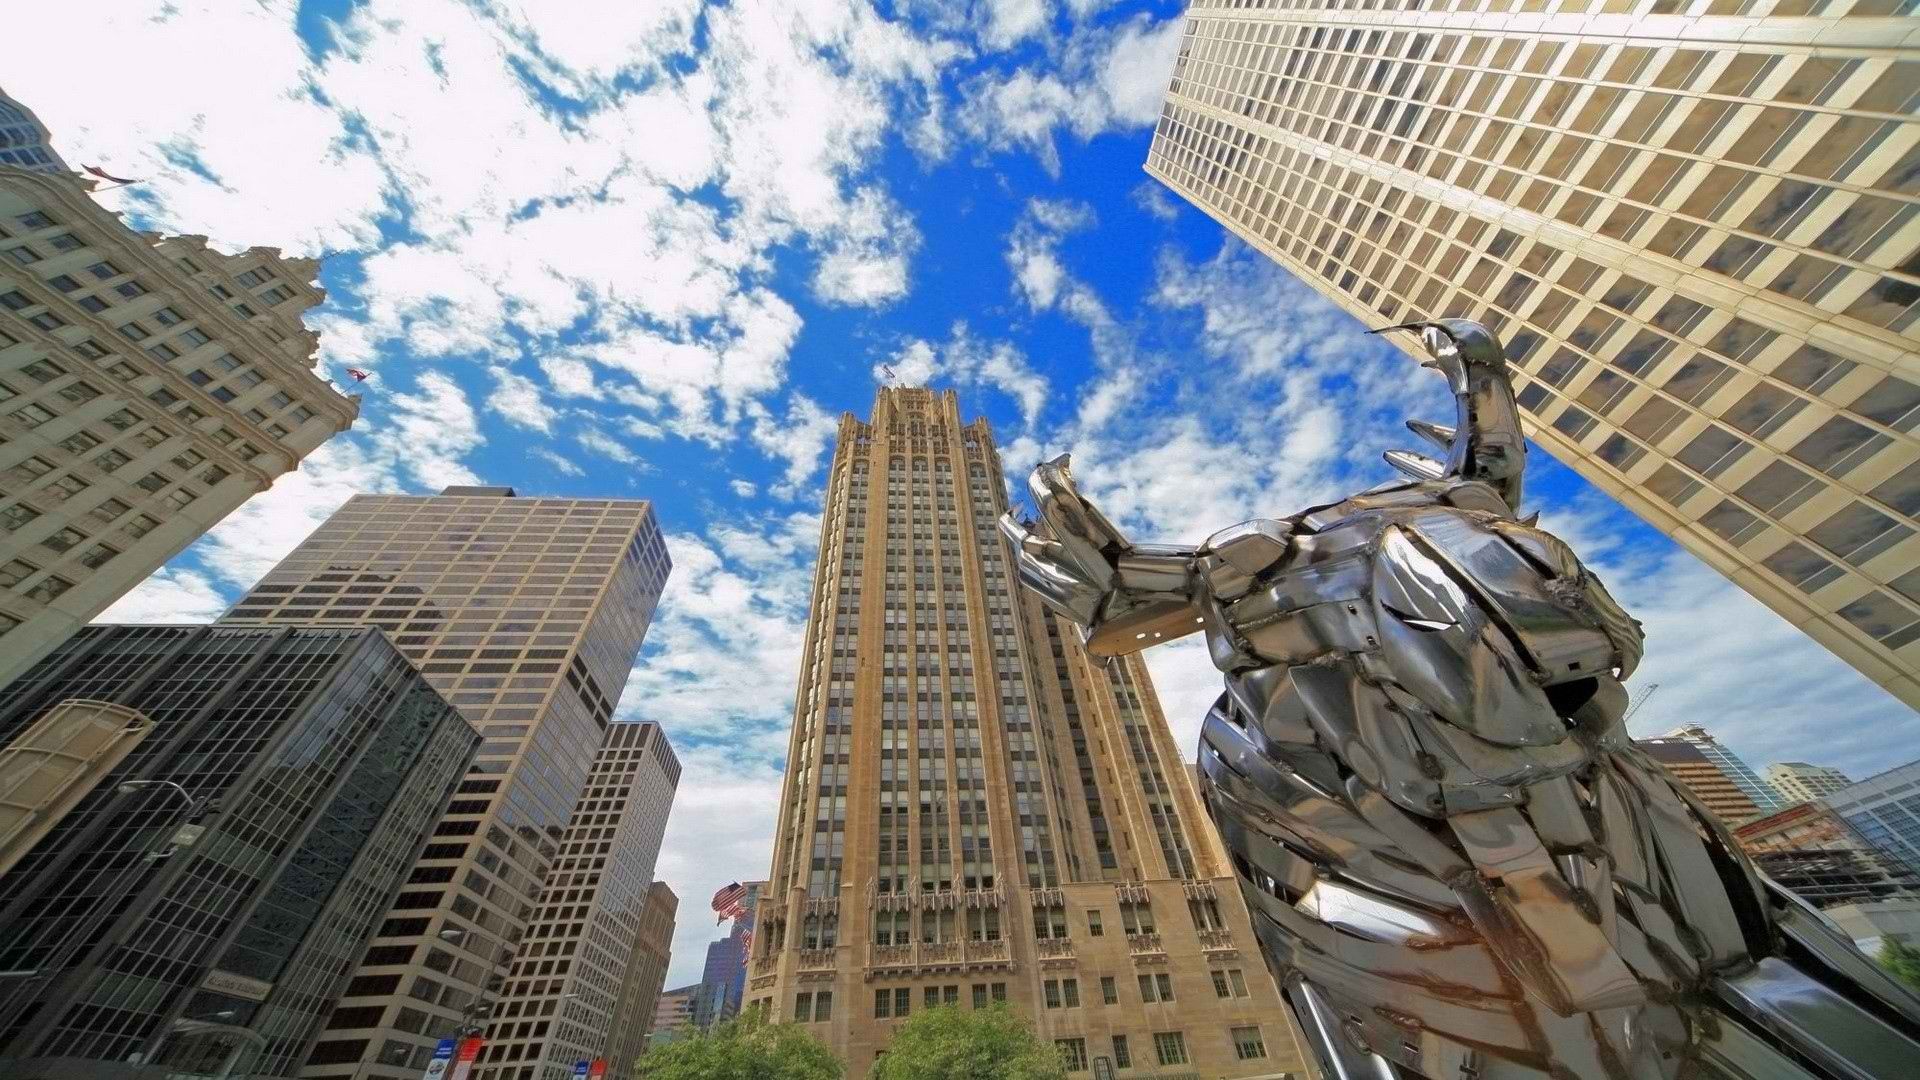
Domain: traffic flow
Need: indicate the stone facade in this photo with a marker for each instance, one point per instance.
(975, 811)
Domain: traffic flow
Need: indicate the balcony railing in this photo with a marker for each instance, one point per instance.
(1217, 941)
(939, 952)
(893, 956)
(987, 952)
(766, 965)
(1199, 890)
(817, 959)
(1144, 944)
(1053, 948)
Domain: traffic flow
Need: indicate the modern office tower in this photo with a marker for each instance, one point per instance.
(1692, 222)
(646, 978)
(1706, 779)
(562, 992)
(1813, 851)
(1797, 781)
(148, 386)
(203, 906)
(527, 614)
(25, 142)
(974, 810)
(723, 982)
(672, 1014)
(1763, 795)
(1885, 808)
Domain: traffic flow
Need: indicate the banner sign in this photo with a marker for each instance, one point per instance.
(442, 1057)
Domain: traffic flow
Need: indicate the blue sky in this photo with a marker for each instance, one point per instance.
(657, 249)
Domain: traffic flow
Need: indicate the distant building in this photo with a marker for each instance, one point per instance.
(1797, 781)
(1708, 782)
(673, 1014)
(978, 810)
(527, 613)
(724, 980)
(148, 386)
(1873, 924)
(1762, 794)
(646, 973)
(1689, 222)
(1814, 852)
(219, 919)
(1886, 810)
(590, 913)
(25, 142)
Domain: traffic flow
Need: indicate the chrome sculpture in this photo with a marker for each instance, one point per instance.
(1458, 865)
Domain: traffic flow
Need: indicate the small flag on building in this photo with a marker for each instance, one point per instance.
(746, 943)
(105, 175)
(358, 375)
(728, 902)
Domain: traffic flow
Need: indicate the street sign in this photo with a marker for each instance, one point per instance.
(442, 1057)
(580, 1070)
(599, 1069)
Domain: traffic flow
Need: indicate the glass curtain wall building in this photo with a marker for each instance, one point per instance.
(527, 614)
(1694, 222)
(312, 763)
(1885, 809)
(974, 810)
(561, 1001)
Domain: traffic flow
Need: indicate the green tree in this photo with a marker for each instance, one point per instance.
(745, 1048)
(968, 1044)
(1903, 960)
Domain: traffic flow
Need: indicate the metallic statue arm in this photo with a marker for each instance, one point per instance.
(1485, 444)
(1127, 596)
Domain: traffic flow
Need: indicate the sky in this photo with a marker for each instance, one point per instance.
(603, 248)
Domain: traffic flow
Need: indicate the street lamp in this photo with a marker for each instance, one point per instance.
(188, 832)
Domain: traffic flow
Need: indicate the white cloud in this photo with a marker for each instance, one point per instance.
(518, 399)
(1110, 78)
(1152, 197)
(799, 438)
(561, 464)
(1009, 22)
(169, 596)
(964, 361)
(595, 441)
(746, 489)
(429, 431)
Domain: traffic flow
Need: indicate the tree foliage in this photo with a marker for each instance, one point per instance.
(745, 1048)
(1903, 960)
(951, 1043)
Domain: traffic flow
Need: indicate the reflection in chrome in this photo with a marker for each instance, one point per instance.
(1459, 866)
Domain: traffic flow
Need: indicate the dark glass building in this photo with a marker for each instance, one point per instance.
(199, 911)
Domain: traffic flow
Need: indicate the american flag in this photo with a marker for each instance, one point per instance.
(746, 942)
(729, 902)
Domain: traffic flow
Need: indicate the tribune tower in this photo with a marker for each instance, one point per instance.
(975, 810)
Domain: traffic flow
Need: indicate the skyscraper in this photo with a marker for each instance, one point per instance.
(310, 762)
(527, 614)
(562, 994)
(1765, 799)
(723, 981)
(1692, 222)
(1797, 781)
(672, 1014)
(1706, 779)
(646, 974)
(1885, 808)
(25, 142)
(148, 386)
(974, 810)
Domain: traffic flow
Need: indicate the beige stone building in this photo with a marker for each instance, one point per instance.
(590, 916)
(975, 811)
(1694, 222)
(646, 978)
(1797, 781)
(148, 386)
(526, 614)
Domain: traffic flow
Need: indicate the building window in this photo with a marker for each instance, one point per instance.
(1122, 1056)
(883, 1001)
(1109, 993)
(1157, 987)
(1171, 1047)
(1247, 1043)
(1093, 924)
(49, 589)
(1073, 1054)
(803, 1008)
